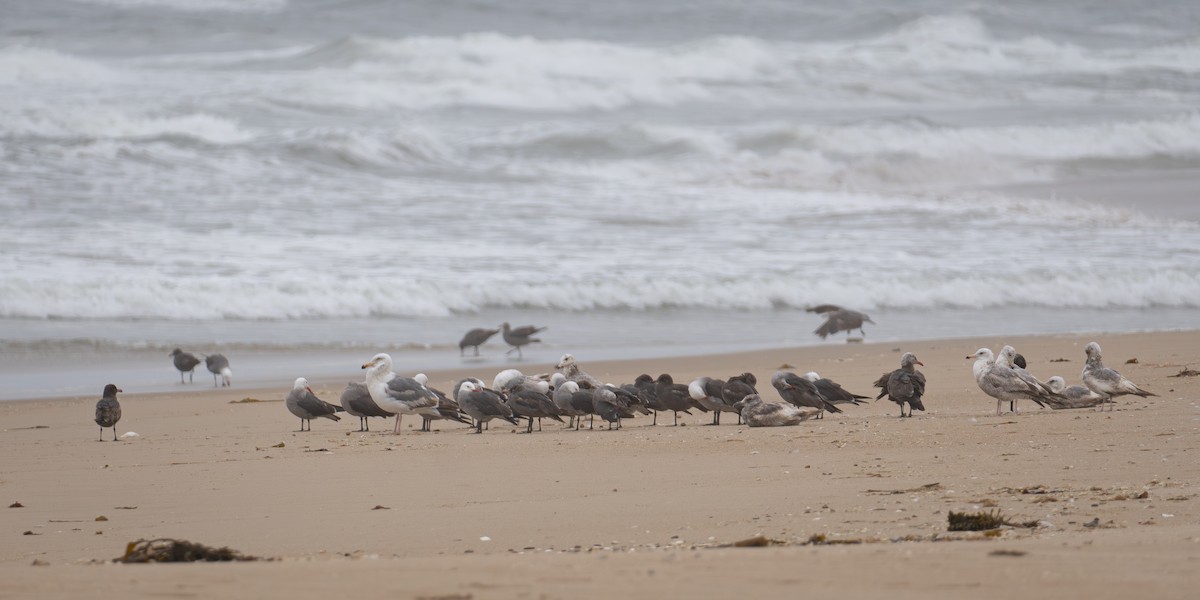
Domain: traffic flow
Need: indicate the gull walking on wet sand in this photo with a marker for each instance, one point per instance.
(520, 336)
(186, 363)
(474, 338)
(1105, 381)
(302, 402)
(218, 365)
(108, 410)
(904, 385)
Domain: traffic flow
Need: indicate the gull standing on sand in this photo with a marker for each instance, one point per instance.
(219, 365)
(398, 395)
(757, 413)
(186, 363)
(1002, 382)
(1105, 381)
(799, 391)
(832, 391)
(708, 392)
(483, 405)
(447, 408)
(674, 397)
(840, 319)
(569, 367)
(474, 338)
(532, 405)
(356, 401)
(573, 402)
(905, 384)
(303, 403)
(108, 410)
(519, 337)
(737, 388)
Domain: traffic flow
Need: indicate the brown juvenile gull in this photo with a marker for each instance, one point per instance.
(757, 413)
(483, 405)
(519, 337)
(219, 365)
(447, 408)
(108, 410)
(186, 363)
(532, 405)
(568, 366)
(905, 384)
(708, 392)
(474, 338)
(1075, 396)
(1001, 381)
(648, 393)
(398, 395)
(801, 392)
(1105, 381)
(303, 403)
(674, 397)
(840, 319)
(832, 391)
(356, 401)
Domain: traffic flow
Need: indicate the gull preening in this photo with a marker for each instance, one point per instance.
(904, 385)
(1105, 381)
(710, 393)
(840, 319)
(186, 363)
(1075, 396)
(302, 402)
(108, 410)
(218, 365)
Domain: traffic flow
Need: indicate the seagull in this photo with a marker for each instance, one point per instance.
(218, 365)
(483, 405)
(568, 366)
(533, 404)
(519, 337)
(356, 401)
(1075, 396)
(573, 402)
(474, 338)
(708, 392)
(446, 408)
(186, 363)
(905, 384)
(737, 388)
(832, 391)
(607, 404)
(510, 380)
(1002, 382)
(398, 395)
(303, 403)
(674, 397)
(799, 391)
(648, 393)
(840, 319)
(108, 410)
(757, 413)
(1105, 381)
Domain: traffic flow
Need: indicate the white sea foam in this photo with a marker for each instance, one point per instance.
(196, 5)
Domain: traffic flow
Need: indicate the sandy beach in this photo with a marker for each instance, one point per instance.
(646, 511)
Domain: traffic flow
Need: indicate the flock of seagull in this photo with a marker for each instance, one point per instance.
(572, 393)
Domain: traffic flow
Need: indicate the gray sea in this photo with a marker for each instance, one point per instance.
(302, 183)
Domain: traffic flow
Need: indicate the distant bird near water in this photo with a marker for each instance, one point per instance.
(219, 365)
(904, 385)
(302, 402)
(1105, 381)
(474, 338)
(186, 363)
(108, 410)
(839, 319)
(520, 336)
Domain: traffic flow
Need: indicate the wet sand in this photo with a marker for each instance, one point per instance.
(641, 512)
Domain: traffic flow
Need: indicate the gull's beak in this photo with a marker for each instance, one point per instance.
(968, 358)
(120, 390)
(923, 364)
(369, 365)
(309, 390)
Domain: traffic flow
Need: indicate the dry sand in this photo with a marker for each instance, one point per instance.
(637, 513)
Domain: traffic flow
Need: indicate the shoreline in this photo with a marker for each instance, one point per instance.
(641, 511)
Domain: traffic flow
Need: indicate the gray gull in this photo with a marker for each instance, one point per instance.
(356, 401)
(474, 338)
(483, 405)
(757, 413)
(1105, 381)
(905, 384)
(801, 392)
(840, 319)
(186, 363)
(108, 410)
(303, 403)
(219, 365)
(519, 337)
(398, 395)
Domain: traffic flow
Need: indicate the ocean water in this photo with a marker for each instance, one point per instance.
(321, 177)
